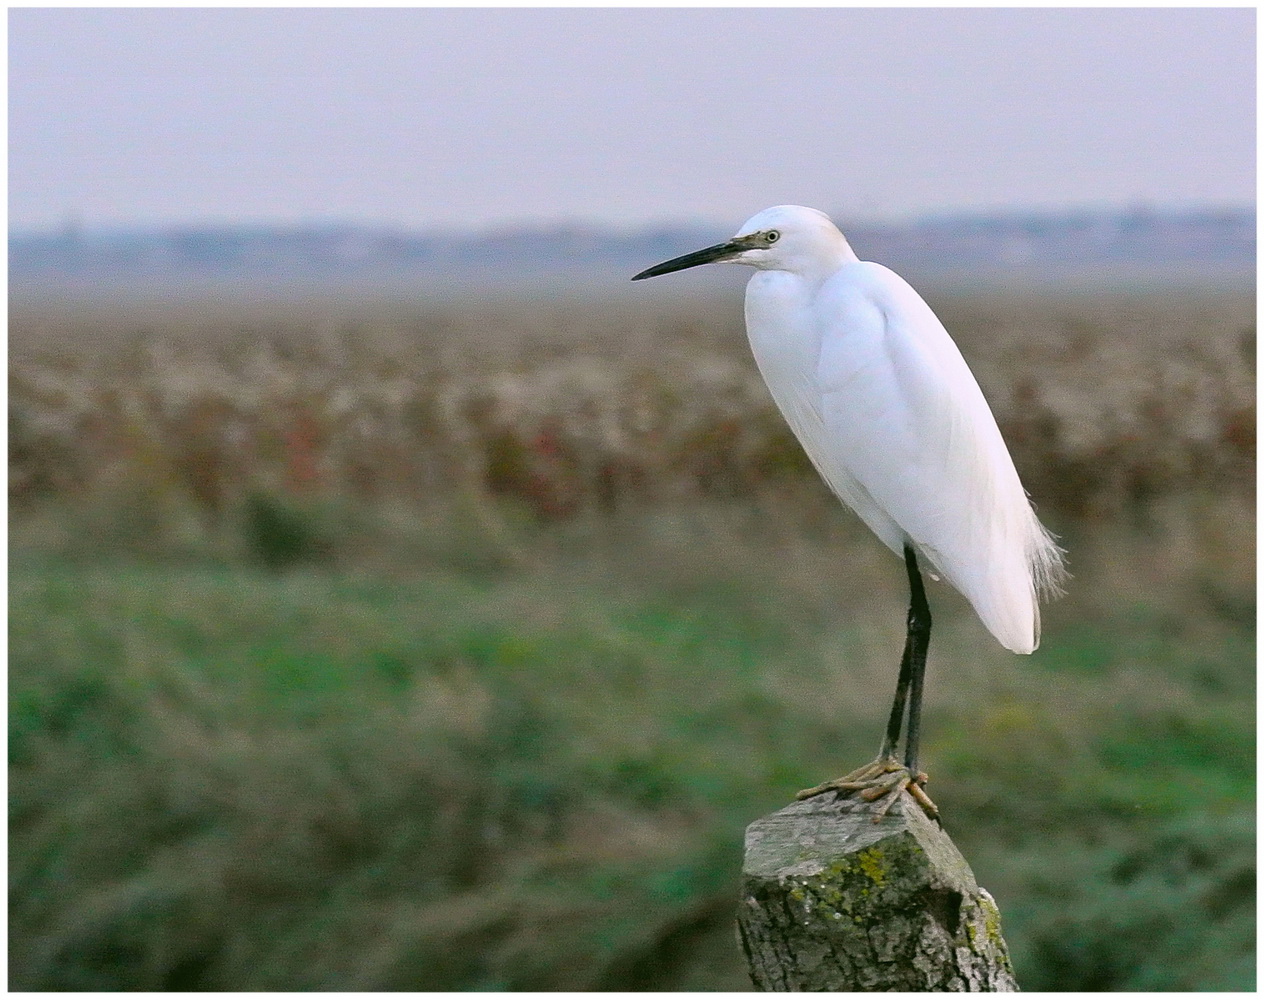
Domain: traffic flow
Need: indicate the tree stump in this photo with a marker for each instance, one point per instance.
(832, 901)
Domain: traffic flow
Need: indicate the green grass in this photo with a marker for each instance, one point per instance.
(531, 769)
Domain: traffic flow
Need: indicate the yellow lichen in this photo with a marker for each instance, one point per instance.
(872, 864)
(992, 923)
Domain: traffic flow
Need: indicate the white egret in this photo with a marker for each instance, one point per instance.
(891, 416)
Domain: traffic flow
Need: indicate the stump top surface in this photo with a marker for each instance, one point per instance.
(806, 837)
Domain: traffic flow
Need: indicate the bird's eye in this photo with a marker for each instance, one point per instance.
(772, 236)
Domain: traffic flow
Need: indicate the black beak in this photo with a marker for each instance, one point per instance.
(721, 251)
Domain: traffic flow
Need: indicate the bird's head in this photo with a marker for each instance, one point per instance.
(783, 238)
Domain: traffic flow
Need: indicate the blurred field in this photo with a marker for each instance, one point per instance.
(452, 646)
(568, 405)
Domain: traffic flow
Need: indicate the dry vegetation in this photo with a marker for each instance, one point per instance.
(563, 407)
(452, 646)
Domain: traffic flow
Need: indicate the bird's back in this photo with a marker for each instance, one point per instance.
(889, 412)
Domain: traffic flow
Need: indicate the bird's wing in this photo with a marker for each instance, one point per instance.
(906, 419)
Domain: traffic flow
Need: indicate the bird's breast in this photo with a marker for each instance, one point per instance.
(784, 337)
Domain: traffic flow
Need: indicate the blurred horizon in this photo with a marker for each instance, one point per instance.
(1136, 248)
(81, 226)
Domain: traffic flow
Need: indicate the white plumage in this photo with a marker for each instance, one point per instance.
(890, 414)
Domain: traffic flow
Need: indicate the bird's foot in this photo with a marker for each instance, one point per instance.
(884, 777)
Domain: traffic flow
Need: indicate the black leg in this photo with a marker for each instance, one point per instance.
(915, 655)
(892, 739)
(885, 776)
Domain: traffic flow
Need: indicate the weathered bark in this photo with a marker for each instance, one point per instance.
(832, 901)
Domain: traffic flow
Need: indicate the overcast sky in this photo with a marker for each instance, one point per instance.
(485, 118)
